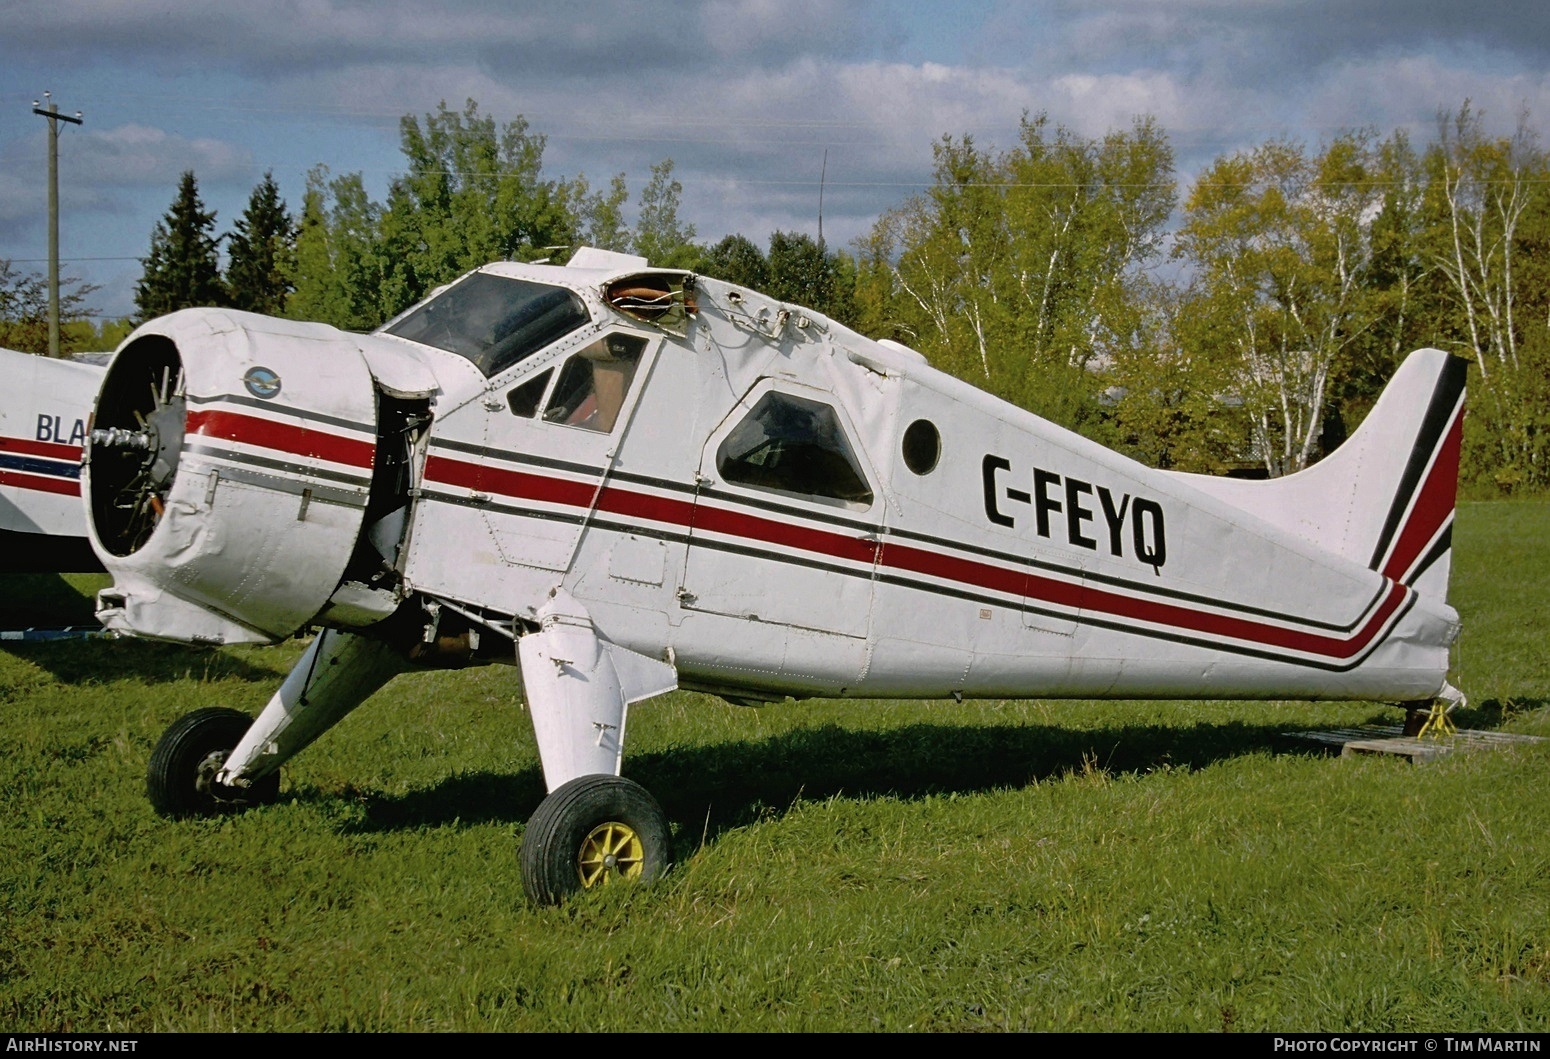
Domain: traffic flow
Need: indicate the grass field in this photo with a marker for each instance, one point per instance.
(842, 866)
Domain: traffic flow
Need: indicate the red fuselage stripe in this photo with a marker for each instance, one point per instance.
(54, 450)
(1025, 585)
(298, 441)
(41, 483)
(485, 479)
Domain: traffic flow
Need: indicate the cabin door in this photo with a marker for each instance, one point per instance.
(786, 516)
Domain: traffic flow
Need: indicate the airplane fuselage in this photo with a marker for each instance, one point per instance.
(1014, 559)
(771, 503)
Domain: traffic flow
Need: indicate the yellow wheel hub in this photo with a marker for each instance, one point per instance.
(610, 851)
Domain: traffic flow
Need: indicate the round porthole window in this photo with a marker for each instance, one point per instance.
(922, 446)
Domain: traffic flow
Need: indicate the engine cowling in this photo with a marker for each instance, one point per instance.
(228, 477)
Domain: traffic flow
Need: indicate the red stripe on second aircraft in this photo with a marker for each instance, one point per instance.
(54, 450)
(284, 437)
(39, 483)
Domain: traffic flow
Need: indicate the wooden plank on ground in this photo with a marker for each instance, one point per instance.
(1390, 739)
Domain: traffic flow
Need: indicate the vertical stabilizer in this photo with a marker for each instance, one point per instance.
(1385, 498)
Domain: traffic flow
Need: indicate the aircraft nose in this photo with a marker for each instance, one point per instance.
(227, 474)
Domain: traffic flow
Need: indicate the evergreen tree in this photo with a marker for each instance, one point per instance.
(801, 272)
(183, 267)
(262, 253)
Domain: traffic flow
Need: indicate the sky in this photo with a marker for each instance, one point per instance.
(767, 108)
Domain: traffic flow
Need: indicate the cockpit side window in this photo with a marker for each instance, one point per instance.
(793, 445)
(493, 321)
(594, 382)
(523, 400)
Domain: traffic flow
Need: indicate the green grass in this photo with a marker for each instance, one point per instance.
(840, 865)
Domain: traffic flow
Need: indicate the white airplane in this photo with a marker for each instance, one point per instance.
(43, 408)
(628, 479)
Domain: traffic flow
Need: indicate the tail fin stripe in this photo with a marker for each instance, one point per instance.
(1433, 506)
(1439, 548)
(1438, 427)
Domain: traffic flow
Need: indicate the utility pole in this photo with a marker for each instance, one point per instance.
(51, 112)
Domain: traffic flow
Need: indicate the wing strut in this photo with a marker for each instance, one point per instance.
(579, 687)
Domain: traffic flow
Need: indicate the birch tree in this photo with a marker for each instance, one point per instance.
(1280, 244)
(1487, 202)
(1016, 269)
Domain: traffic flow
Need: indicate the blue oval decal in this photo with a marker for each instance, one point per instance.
(262, 382)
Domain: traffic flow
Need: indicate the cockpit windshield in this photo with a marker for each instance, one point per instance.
(494, 321)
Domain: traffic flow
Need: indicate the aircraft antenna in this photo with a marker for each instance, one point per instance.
(822, 173)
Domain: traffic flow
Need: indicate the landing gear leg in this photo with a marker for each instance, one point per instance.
(1431, 719)
(217, 759)
(595, 827)
(337, 673)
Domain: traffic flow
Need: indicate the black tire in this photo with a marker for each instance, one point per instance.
(593, 831)
(180, 780)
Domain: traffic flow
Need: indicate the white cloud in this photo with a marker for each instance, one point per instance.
(138, 155)
(1410, 92)
(746, 96)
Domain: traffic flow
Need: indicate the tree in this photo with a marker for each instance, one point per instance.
(602, 215)
(736, 259)
(660, 237)
(474, 193)
(804, 272)
(1281, 244)
(24, 310)
(261, 253)
(1016, 269)
(1166, 389)
(338, 277)
(183, 266)
(1488, 206)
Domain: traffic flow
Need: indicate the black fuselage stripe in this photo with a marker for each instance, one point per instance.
(272, 408)
(1439, 548)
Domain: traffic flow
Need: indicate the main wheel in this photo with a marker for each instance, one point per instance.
(593, 831)
(181, 778)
